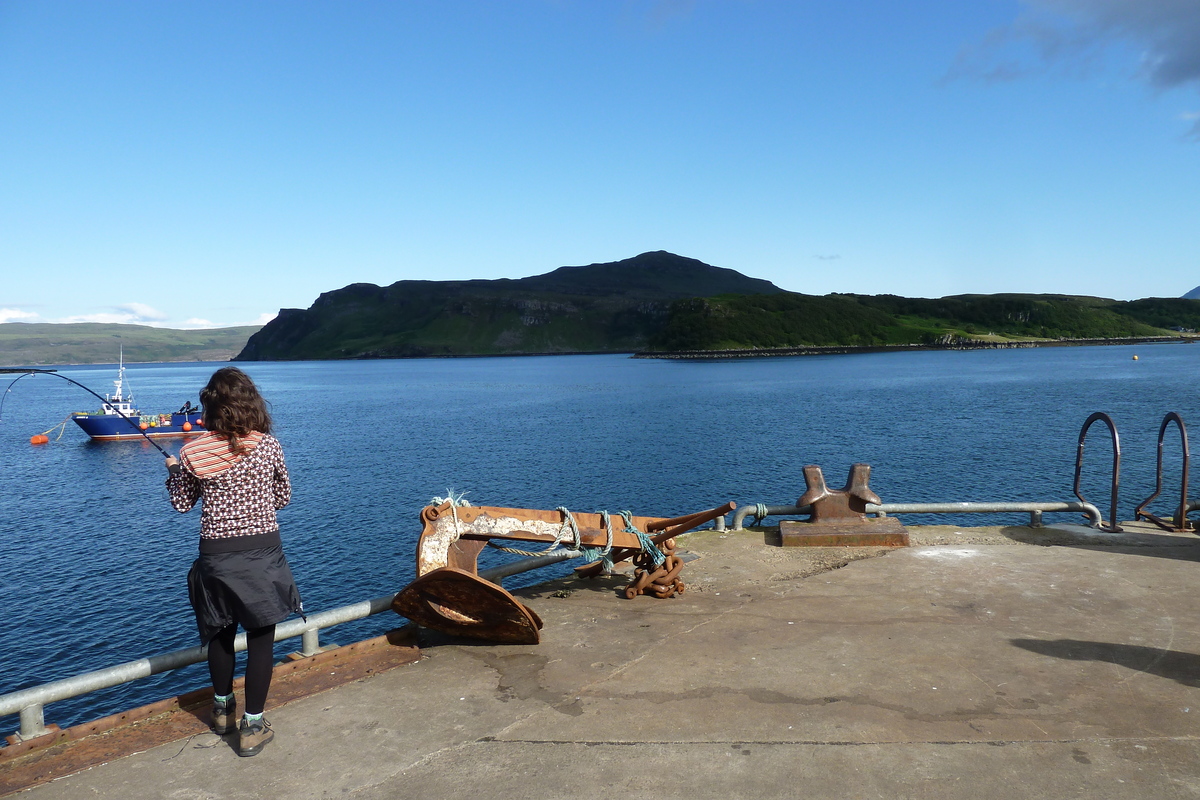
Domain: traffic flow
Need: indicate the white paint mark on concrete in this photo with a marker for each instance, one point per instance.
(947, 553)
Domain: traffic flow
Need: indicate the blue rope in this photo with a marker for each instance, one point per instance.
(590, 554)
(603, 555)
(569, 518)
(648, 546)
(608, 527)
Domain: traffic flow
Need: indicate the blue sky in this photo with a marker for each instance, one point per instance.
(192, 164)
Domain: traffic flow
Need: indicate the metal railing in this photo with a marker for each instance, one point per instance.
(1035, 510)
(1180, 522)
(30, 703)
(1100, 416)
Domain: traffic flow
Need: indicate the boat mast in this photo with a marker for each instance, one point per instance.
(117, 400)
(120, 377)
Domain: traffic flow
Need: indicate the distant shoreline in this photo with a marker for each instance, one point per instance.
(690, 355)
(830, 350)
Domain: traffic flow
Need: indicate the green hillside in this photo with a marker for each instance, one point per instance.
(24, 344)
(613, 307)
(796, 320)
(660, 302)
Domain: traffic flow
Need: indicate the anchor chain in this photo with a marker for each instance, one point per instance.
(657, 576)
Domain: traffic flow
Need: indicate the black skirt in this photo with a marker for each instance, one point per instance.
(251, 588)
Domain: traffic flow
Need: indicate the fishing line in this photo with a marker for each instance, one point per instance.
(29, 372)
(9, 389)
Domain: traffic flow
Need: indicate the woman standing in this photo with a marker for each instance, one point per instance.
(236, 469)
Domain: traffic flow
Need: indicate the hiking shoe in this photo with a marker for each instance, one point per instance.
(224, 717)
(254, 736)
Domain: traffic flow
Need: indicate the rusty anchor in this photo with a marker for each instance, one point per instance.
(451, 596)
(839, 516)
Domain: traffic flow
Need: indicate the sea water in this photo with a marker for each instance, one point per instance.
(93, 557)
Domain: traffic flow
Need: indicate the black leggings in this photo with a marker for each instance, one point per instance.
(259, 661)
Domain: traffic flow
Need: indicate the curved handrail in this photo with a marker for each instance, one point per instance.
(1100, 416)
(1180, 521)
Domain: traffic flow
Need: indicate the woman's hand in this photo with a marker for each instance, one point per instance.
(173, 465)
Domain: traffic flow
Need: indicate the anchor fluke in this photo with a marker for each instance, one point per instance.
(460, 603)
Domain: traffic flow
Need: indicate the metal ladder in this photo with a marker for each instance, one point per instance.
(1180, 522)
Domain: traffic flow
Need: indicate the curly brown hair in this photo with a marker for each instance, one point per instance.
(233, 406)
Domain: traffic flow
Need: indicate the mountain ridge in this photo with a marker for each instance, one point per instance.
(660, 301)
(603, 307)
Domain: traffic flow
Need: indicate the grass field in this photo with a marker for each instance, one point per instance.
(38, 344)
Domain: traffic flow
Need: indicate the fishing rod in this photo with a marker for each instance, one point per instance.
(28, 372)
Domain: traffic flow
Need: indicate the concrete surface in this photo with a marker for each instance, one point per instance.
(976, 664)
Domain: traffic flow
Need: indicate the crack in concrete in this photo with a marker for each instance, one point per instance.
(838, 743)
(984, 711)
(420, 762)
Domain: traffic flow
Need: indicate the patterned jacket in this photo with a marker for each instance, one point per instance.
(240, 493)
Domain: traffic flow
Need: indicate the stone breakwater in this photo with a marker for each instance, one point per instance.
(954, 344)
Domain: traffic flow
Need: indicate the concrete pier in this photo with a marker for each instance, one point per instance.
(978, 663)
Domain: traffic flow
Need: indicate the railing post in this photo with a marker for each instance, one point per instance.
(310, 643)
(30, 703)
(1035, 519)
(33, 721)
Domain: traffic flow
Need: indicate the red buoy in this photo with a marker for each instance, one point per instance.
(200, 423)
(144, 425)
(39, 438)
(187, 426)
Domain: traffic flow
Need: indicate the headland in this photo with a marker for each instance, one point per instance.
(954, 344)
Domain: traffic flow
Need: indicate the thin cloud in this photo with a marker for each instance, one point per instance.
(13, 314)
(132, 314)
(196, 322)
(124, 314)
(106, 317)
(1075, 35)
(833, 257)
(143, 312)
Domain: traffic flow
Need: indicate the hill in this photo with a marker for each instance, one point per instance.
(611, 307)
(29, 344)
(794, 320)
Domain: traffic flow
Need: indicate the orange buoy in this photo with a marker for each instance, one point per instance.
(187, 426)
(144, 426)
(200, 423)
(39, 438)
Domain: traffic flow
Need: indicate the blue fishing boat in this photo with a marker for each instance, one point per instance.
(119, 419)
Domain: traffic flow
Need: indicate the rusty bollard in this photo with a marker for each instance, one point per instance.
(839, 516)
